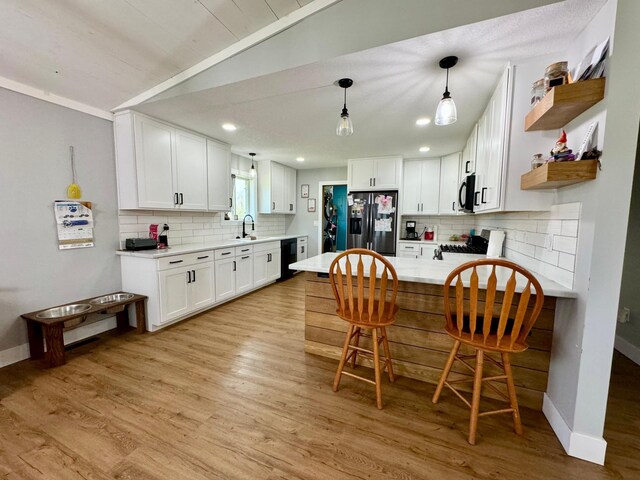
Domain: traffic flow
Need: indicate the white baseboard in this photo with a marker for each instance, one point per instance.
(21, 352)
(585, 447)
(628, 349)
(14, 354)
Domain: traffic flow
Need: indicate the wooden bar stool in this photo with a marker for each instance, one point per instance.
(489, 324)
(364, 302)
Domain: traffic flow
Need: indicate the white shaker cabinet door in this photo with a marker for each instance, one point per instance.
(260, 260)
(449, 167)
(411, 191)
(202, 286)
(154, 143)
(278, 186)
(290, 190)
(273, 265)
(361, 174)
(244, 273)
(191, 167)
(387, 173)
(430, 186)
(219, 174)
(174, 293)
(225, 277)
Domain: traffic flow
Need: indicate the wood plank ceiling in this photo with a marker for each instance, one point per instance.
(104, 52)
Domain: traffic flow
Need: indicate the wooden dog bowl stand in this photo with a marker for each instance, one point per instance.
(50, 329)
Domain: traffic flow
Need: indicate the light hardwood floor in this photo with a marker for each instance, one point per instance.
(231, 394)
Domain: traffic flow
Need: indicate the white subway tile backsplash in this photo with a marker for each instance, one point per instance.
(567, 261)
(565, 244)
(569, 228)
(547, 256)
(537, 239)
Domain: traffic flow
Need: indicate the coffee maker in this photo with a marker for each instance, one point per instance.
(411, 230)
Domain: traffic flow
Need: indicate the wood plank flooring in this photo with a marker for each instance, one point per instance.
(231, 394)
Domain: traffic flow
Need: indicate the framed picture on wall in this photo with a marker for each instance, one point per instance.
(304, 191)
(311, 205)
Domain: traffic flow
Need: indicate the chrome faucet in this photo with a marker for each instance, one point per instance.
(253, 225)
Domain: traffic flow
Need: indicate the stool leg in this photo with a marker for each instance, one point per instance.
(517, 423)
(475, 402)
(387, 354)
(345, 351)
(376, 367)
(356, 343)
(445, 372)
(55, 345)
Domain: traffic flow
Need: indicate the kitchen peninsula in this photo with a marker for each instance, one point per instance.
(419, 344)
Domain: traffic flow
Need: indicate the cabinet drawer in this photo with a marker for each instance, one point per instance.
(224, 253)
(263, 247)
(409, 248)
(243, 251)
(302, 240)
(185, 260)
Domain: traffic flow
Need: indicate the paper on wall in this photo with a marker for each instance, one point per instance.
(74, 222)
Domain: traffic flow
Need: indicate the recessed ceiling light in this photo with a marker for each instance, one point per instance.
(421, 122)
(300, 159)
(424, 149)
(229, 127)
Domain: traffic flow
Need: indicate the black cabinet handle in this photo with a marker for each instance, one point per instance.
(194, 275)
(453, 206)
(189, 276)
(181, 199)
(291, 207)
(234, 265)
(302, 249)
(466, 166)
(176, 261)
(374, 181)
(175, 199)
(484, 189)
(225, 253)
(202, 258)
(244, 258)
(245, 250)
(475, 198)
(230, 202)
(274, 205)
(268, 257)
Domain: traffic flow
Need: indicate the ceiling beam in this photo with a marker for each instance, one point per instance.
(238, 47)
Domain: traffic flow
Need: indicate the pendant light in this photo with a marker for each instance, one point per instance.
(253, 168)
(446, 113)
(345, 127)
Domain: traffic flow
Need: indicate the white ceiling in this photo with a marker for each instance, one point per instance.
(294, 113)
(103, 52)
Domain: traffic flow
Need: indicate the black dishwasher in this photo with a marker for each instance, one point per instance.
(289, 255)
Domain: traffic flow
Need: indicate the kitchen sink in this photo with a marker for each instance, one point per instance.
(252, 239)
(64, 311)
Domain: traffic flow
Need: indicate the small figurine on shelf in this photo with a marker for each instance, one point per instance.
(560, 152)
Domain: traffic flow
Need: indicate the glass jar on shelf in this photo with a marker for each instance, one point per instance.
(537, 92)
(537, 161)
(556, 74)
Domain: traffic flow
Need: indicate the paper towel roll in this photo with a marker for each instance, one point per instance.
(496, 239)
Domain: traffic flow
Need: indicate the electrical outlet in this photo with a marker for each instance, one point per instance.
(624, 315)
(548, 243)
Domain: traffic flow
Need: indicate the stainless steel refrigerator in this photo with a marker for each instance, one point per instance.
(372, 221)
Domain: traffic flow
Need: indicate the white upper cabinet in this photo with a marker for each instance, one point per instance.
(219, 176)
(380, 173)
(158, 165)
(191, 170)
(468, 161)
(276, 188)
(490, 148)
(421, 186)
(449, 178)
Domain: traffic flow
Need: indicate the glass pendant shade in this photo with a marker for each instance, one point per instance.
(252, 172)
(446, 113)
(345, 127)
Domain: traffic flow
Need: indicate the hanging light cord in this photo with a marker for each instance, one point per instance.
(446, 87)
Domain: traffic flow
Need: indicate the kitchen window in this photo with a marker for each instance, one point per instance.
(243, 194)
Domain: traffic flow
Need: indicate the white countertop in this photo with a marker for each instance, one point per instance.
(200, 247)
(435, 271)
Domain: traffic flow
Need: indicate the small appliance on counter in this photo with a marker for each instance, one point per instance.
(411, 234)
(477, 244)
(135, 244)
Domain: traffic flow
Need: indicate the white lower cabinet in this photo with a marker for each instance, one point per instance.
(244, 273)
(225, 278)
(416, 250)
(174, 293)
(266, 263)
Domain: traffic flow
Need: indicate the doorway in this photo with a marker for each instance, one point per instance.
(333, 217)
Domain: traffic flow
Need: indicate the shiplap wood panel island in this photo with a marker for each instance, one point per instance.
(419, 343)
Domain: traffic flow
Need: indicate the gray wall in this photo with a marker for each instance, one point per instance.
(631, 272)
(34, 156)
(302, 222)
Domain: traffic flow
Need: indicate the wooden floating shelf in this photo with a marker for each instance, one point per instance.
(563, 103)
(559, 174)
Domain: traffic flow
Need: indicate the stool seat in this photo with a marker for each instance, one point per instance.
(368, 302)
(499, 323)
